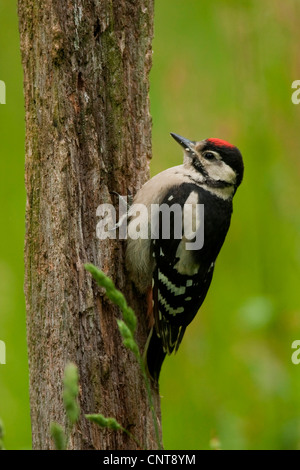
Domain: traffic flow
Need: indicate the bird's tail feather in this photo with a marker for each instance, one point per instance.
(154, 355)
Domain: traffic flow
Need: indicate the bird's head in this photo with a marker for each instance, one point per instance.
(219, 162)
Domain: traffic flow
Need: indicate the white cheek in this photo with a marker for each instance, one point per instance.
(221, 171)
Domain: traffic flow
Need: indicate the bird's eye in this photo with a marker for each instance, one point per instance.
(209, 155)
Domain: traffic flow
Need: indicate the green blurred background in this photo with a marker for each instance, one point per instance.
(220, 69)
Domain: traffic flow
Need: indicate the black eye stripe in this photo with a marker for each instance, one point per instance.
(198, 166)
(207, 180)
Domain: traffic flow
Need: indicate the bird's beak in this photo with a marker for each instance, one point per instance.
(185, 143)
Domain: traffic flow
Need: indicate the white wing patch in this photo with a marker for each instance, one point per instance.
(192, 219)
(186, 264)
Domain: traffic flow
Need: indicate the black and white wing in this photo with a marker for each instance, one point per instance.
(182, 277)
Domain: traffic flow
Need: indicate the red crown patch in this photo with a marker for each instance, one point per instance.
(220, 143)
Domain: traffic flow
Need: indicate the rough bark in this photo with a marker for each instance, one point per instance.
(88, 133)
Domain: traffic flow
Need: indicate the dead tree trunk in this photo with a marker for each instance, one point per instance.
(88, 133)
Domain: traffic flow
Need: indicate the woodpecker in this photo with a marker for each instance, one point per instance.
(176, 279)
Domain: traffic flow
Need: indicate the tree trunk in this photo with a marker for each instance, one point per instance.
(88, 133)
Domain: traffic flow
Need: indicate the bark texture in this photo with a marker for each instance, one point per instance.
(88, 133)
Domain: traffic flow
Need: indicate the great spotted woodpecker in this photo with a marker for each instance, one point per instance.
(175, 278)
